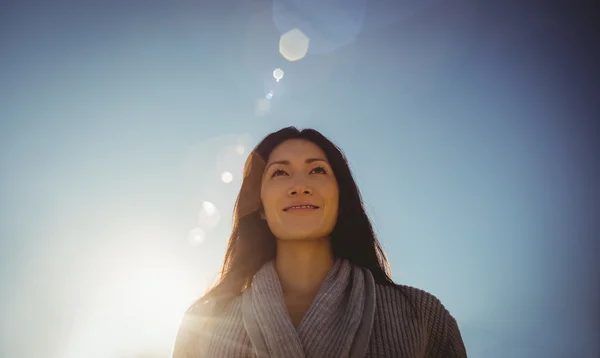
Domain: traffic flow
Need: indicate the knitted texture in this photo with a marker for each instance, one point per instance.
(344, 303)
(413, 324)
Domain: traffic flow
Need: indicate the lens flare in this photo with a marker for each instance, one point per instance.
(278, 74)
(209, 207)
(226, 177)
(293, 45)
(209, 216)
(196, 236)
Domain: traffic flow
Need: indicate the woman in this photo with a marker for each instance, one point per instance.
(304, 275)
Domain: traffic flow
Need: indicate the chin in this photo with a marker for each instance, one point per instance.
(303, 237)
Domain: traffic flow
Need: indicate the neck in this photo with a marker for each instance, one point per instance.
(303, 265)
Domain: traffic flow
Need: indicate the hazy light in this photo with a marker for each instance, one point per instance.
(332, 24)
(278, 74)
(209, 216)
(263, 106)
(196, 236)
(226, 177)
(244, 141)
(209, 207)
(240, 149)
(293, 45)
(229, 161)
(138, 310)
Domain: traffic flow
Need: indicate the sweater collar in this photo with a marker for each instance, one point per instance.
(338, 322)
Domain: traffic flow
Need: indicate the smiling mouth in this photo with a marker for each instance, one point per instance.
(301, 208)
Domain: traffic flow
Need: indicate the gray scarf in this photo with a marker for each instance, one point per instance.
(338, 323)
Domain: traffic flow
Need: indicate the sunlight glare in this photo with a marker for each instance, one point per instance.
(139, 310)
(196, 236)
(278, 74)
(209, 216)
(226, 177)
(293, 45)
(209, 207)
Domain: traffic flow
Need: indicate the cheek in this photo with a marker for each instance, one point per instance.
(331, 196)
(269, 197)
(332, 193)
(334, 207)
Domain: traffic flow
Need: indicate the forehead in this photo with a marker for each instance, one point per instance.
(296, 148)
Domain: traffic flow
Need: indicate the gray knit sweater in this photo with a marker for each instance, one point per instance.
(414, 326)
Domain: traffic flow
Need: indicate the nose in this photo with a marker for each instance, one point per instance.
(300, 188)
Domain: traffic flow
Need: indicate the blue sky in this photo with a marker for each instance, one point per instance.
(465, 127)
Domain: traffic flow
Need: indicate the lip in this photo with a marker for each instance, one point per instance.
(300, 203)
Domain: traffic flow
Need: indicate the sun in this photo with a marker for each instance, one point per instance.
(136, 311)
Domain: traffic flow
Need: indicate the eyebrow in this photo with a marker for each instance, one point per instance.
(287, 162)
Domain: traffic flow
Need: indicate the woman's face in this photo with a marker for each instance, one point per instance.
(298, 173)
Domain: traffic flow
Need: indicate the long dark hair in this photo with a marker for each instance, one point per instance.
(252, 243)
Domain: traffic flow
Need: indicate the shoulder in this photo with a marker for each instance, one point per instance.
(198, 325)
(190, 332)
(421, 306)
(403, 295)
(202, 314)
(427, 313)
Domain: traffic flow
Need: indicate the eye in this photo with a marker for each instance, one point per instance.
(320, 168)
(276, 172)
